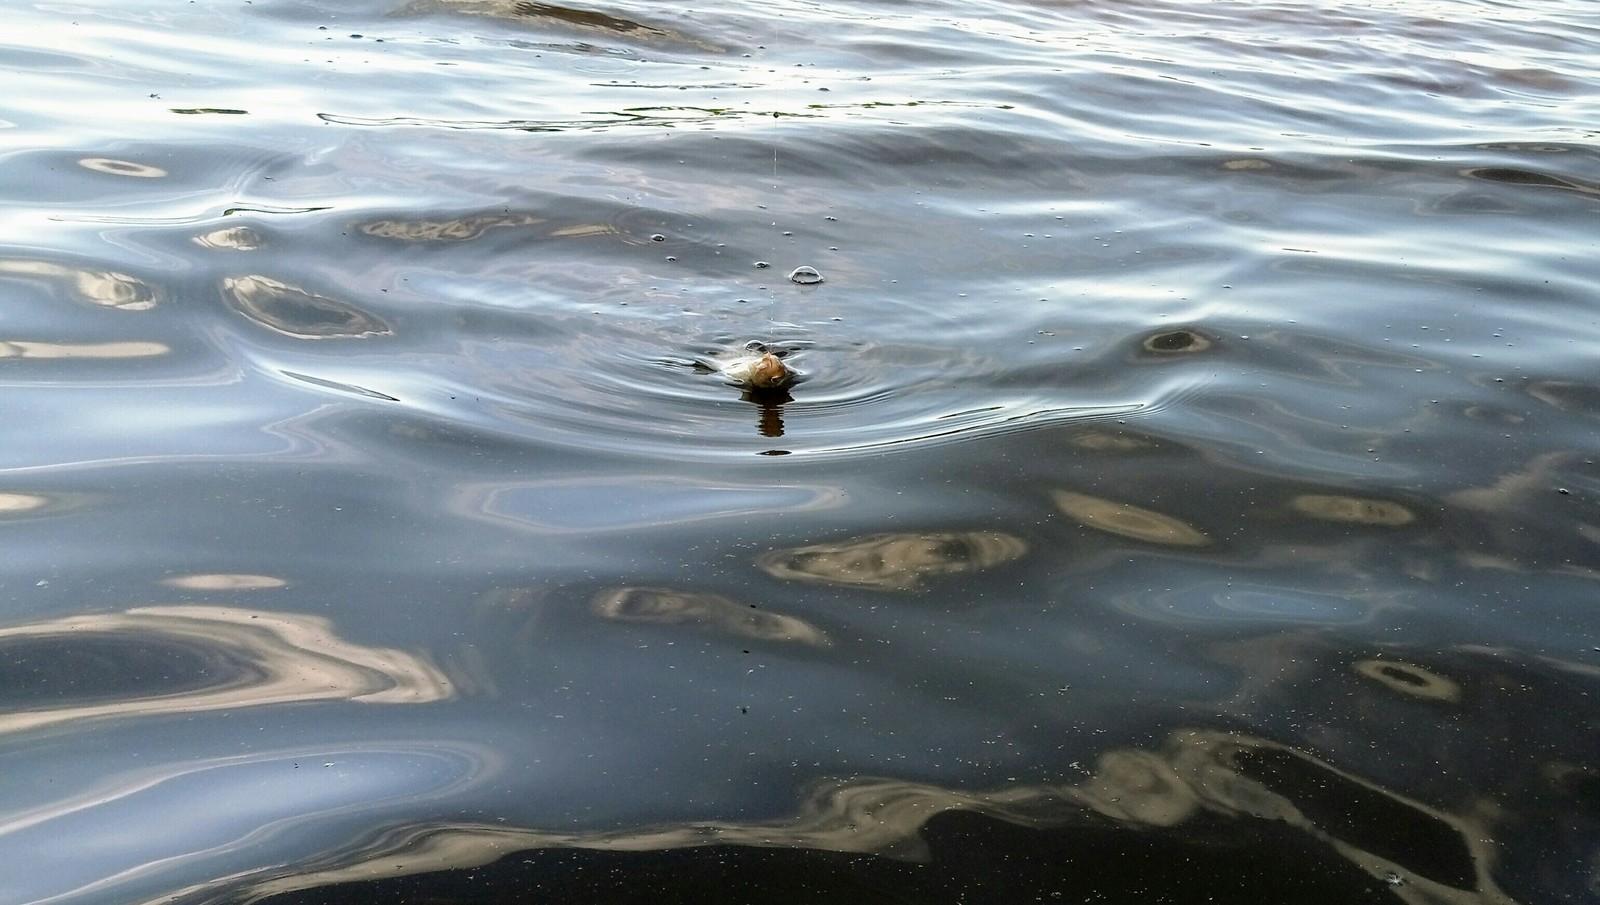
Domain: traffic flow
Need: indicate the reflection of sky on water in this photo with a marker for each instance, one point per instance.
(99, 287)
(250, 658)
(97, 706)
(1243, 603)
(617, 503)
(154, 829)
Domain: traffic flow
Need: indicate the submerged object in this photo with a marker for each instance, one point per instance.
(756, 367)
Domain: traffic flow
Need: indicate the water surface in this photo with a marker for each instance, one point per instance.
(1190, 490)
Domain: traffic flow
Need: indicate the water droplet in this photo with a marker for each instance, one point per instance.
(805, 275)
(658, 238)
(762, 265)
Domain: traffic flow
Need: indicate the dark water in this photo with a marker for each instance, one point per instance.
(1190, 494)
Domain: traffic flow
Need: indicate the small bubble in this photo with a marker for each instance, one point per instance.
(805, 275)
(658, 238)
(762, 265)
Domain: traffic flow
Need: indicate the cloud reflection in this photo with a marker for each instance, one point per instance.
(1126, 520)
(223, 582)
(894, 562)
(236, 238)
(106, 288)
(121, 167)
(295, 312)
(1410, 679)
(245, 658)
(459, 229)
(663, 606)
(21, 348)
(1353, 510)
(17, 503)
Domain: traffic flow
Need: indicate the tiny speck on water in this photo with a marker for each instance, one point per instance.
(805, 275)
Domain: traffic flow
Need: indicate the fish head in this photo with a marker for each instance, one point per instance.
(769, 371)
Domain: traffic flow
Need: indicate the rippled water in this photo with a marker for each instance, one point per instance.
(1188, 494)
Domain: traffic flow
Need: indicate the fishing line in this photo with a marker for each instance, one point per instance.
(772, 309)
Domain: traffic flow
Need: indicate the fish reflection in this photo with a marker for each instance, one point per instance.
(1126, 520)
(1421, 854)
(295, 312)
(662, 606)
(770, 424)
(106, 288)
(769, 403)
(233, 658)
(894, 562)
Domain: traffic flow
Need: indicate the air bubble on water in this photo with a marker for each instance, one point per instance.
(762, 265)
(805, 275)
(658, 238)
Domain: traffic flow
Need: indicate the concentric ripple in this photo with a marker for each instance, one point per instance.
(641, 398)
